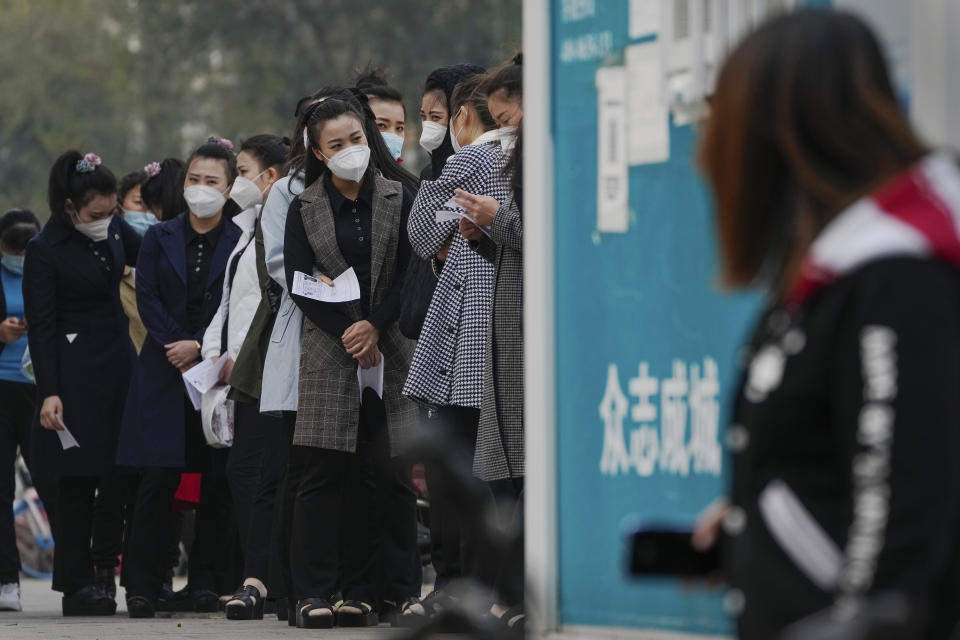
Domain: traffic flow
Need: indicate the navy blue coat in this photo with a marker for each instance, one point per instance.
(79, 342)
(154, 432)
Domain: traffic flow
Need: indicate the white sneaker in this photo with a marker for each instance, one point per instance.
(10, 597)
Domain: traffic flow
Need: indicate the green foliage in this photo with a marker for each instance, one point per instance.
(139, 80)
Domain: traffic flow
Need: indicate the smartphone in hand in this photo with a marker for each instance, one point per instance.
(664, 551)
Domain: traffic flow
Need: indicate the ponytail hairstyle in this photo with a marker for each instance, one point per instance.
(373, 83)
(507, 78)
(345, 101)
(162, 192)
(269, 150)
(68, 182)
(470, 93)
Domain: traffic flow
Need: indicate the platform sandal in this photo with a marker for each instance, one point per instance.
(246, 604)
(317, 621)
(354, 613)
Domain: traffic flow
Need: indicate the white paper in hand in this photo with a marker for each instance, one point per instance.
(371, 378)
(452, 211)
(67, 441)
(201, 378)
(345, 287)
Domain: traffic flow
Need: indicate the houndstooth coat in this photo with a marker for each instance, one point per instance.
(328, 410)
(448, 364)
(500, 442)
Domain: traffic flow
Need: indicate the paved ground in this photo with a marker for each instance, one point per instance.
(41, 618)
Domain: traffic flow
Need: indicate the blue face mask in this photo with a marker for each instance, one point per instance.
(140, 221)
(14, 264)
(394, 143)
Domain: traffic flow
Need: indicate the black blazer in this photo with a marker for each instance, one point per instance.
(79, 342)
(153, 423)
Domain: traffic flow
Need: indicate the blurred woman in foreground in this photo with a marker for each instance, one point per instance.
(845, 492)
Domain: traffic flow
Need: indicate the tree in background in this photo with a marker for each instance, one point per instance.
(139, 80)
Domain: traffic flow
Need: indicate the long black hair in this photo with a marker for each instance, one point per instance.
(337, 101)
(79, 187)
(163, 193)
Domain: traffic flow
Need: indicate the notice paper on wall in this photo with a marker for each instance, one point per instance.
(67, 441)
(345, 287)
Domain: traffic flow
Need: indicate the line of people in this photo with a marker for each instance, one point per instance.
(300, 471)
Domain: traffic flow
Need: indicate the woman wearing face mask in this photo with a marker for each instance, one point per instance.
(446, 377)
(180, 276)
(387, 105)
(82, 356)
(254, 463)
(500, 438)
(435, 114)
(350, 217)
(17, 397)
(505, 101)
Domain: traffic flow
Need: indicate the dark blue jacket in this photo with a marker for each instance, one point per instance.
(153, 433)
(79, 342)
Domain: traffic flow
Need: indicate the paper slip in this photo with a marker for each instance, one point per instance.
(452, 211)
(194, 395)
(67, 441)
(371, 378)
(205, 376)
(345, 287)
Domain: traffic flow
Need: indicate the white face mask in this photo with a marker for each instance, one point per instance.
(351, 163)
(246, 193)
(453, 135)
(432, 135)
(97, 230)
(204, 201)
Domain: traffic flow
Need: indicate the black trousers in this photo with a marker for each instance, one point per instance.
(17, 405)
(112, 510)
(509, 578)
(354, 522)
(283, 515)
(212, 563)
(72, 560)
(257, 458)
(454, 538)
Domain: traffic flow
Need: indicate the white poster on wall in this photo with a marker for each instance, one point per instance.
(649, 122)
(613, 211)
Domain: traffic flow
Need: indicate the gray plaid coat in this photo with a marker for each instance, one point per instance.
(500, 437)
(328, 410)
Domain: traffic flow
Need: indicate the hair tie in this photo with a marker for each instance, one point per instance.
(152, 169)
(88, 163)
(223, 142)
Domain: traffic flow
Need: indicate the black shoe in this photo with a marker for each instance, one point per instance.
(246, 604)
(140, 607)
(166, 592)
(106, 580)
(89, 601)
(190, 599)
(206, 601)
(356, 613)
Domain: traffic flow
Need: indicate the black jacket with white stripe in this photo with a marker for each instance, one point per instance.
(845, 439)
